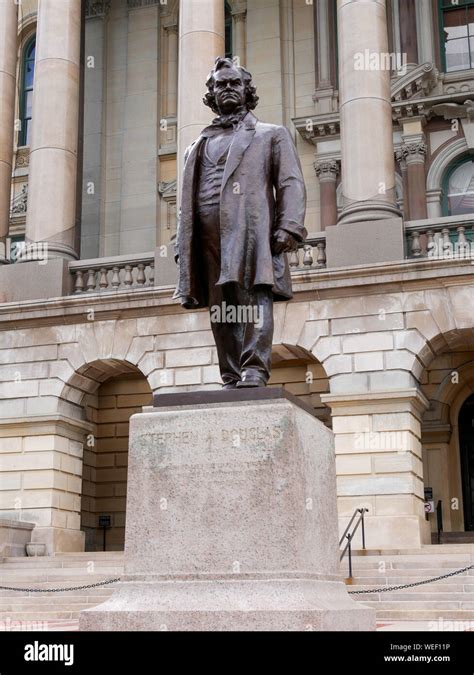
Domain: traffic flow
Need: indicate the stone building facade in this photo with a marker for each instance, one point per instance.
(98, 100)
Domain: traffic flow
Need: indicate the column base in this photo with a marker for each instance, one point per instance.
(368, 211)
(240, 603)
(35, 280)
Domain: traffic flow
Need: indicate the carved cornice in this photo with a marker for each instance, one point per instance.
(167, 190)
(317, 127)
(97, 8)
(22, 157)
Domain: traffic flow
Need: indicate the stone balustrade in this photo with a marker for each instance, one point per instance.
(311, 254)
(123, 272)
(138, 271)
(440, 238)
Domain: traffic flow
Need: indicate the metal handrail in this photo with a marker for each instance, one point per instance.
(439, 518)
(350, 536)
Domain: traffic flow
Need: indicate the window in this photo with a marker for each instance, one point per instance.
(459, 189)
(457, 30)
(228, 31)
(26, 99)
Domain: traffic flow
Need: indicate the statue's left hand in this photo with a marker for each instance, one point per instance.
(283, 241)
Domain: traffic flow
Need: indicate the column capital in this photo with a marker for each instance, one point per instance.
(132, 4)
(327, 170)
(239, 15)
(171, 28)
(97, 8)
(414, 151)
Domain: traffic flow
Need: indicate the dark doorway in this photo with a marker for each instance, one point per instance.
(466, 444)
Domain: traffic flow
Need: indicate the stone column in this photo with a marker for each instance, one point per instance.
(8, 38)
(239, 18)
(172, 72)
(368, 164)
(53, 156)
(327, 172)
(201, 40)
(414, 153)
(400, 157)
(408, 41)
(323, 45)
(424, 27)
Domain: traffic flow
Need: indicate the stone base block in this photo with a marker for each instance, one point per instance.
(231, 520)
(365, 242)
(14, 535)
(397, 532)
(35, 280)
(59, 540)
(223, 604)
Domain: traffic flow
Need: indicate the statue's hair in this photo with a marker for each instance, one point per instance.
(251, 98)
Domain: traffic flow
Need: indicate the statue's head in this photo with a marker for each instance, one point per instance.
(229, 88)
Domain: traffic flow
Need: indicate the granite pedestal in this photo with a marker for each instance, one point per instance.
(231, 520)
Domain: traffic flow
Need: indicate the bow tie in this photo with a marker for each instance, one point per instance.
(227, 121)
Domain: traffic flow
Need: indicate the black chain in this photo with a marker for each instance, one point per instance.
(416, 583)
(58, 590)
(385, 589)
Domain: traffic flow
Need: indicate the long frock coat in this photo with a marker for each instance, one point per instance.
(262, 191)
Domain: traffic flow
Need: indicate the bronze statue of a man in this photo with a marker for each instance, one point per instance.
(243, 203)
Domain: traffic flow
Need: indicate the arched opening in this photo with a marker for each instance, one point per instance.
(303, 376)
(108, 392)
(466, 448)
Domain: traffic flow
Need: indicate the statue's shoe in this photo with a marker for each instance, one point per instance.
(252, 379)
(230, 385)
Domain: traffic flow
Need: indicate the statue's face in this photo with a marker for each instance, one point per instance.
(229, 89)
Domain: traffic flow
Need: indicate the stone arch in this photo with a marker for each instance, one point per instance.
(442, 161)
(447, 381)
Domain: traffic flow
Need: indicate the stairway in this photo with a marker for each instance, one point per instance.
(58, 571)
(450, 599)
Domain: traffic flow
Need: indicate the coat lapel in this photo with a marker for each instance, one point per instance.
(239, 145)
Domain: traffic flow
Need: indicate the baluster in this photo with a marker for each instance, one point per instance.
(462, 245)
(447, 245)
(128, 278)
(79, 283)
(430, 244)
(115, 277)
(151, 280)
(294, 259)
(415, 244)
(103, 281)
(141, 274)
(308, 255)
(321, 257)
(91, 280)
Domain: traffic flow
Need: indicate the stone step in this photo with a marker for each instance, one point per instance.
(438, 605)
(60, 574)
(434, 588)
(426, 615)
(404, 596)
(6, 596)
(37, 616)
(408, 564)
(442, 549)
(59, 564)
(419, 573)
(60, 604)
